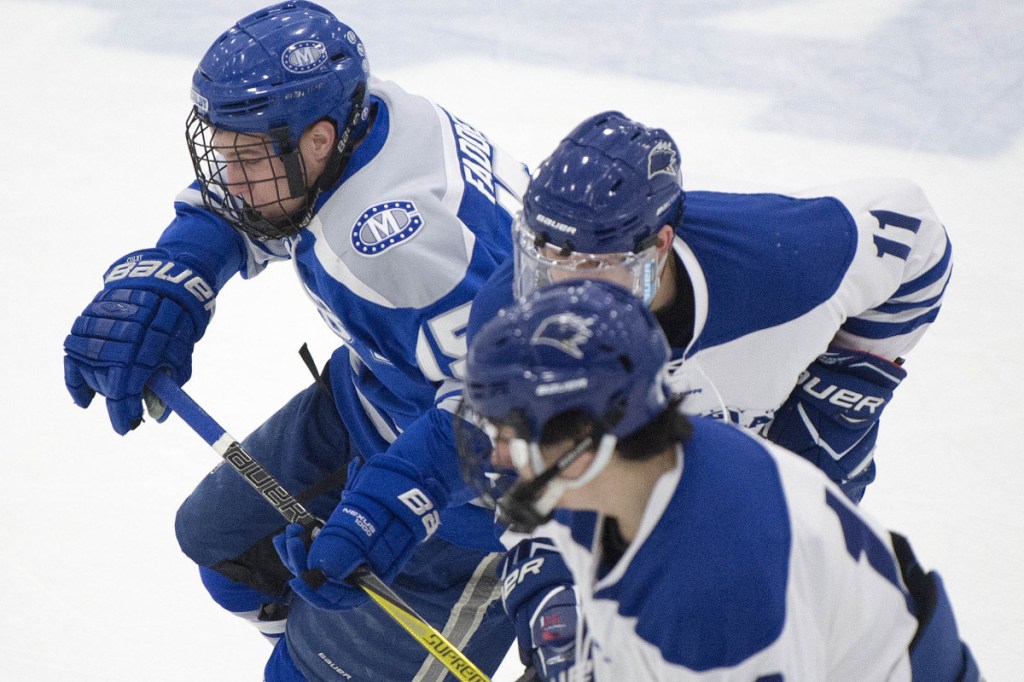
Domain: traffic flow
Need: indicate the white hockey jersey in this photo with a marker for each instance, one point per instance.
(863, 264)
(776, 278)
(749, 566)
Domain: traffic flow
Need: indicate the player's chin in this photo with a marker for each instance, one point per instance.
(280, 213)
(576, 499)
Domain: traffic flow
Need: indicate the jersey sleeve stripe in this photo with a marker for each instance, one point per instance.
(882, 330)
(930, 276)
(902, 306)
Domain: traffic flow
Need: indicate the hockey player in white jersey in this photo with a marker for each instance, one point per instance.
(789, 313)
(699, 552)
(750, 288)
(394, 212)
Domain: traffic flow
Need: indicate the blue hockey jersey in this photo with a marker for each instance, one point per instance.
(392, 261)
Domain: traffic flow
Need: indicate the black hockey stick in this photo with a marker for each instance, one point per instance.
(294, 512)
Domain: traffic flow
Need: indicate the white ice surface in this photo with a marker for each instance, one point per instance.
(782, 93)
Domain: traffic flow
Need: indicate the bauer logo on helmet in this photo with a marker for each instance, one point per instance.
(560, 387)
(554, 224)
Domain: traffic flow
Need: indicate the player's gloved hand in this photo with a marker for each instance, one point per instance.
(148, 317)
(538, 595)
(553, 632)
(936, 652)
(831, 418)
(386, 512)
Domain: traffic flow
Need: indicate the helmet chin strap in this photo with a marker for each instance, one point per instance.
(529, 504)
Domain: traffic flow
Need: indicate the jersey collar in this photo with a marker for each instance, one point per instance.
(700, 289)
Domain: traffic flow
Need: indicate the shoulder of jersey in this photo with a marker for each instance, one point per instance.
(766, 259)
(391, 232)
(728, 505)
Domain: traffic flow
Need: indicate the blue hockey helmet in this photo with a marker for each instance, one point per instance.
(286, 66)
(607, 190)
(586, 347)
(274, 73)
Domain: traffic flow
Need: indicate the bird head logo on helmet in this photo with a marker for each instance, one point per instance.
(580, 347)
(261, 84)
(594, 208)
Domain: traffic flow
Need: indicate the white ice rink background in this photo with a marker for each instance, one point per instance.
(786, 93)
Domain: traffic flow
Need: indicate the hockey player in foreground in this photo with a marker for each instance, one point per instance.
(394, 212)
(789, 313)
(699, 552)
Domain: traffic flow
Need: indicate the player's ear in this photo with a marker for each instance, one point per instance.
(580, 466)
(665, 236)
(318, 140)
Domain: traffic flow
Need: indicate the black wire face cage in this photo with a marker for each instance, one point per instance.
(268, 168)
(475, 447)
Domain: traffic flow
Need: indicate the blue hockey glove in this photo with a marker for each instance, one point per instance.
(553, 636)
(538, 595)
(148, 317)
(293, 547)
(831, 418)
(386, 512)
(937, 654)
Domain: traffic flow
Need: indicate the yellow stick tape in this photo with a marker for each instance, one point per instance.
(431, 640)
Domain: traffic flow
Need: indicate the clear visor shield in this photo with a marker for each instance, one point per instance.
(484, 454)
(538, 264)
